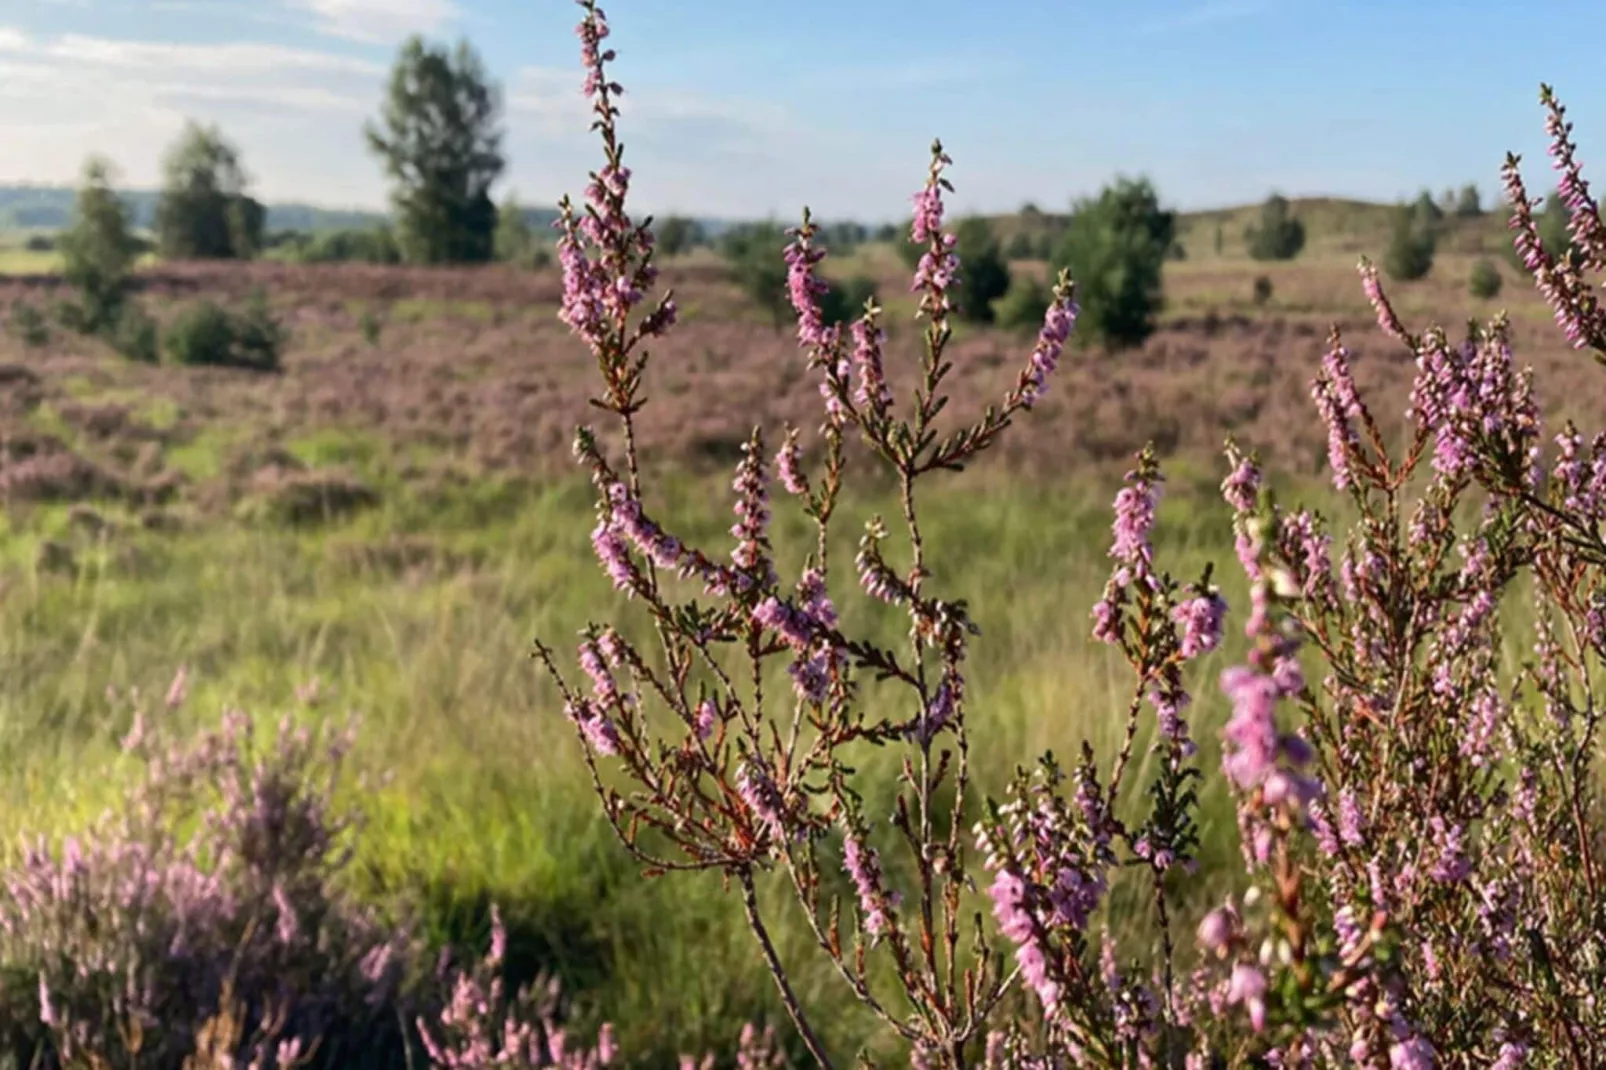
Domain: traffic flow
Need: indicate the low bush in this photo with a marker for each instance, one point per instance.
(1485, 281)
(135, 335)
(28, 324)
(207, 334)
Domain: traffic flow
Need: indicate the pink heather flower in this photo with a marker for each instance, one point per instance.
(1200, 618)
(761, 797)
(938, 712)
(863, 865)
(873, 395)
(789, 465)
(1216, 930)
(927, 225)
(1058, 322)
(1339, 405)
(602, 682)
(703, 720)
(794, 627)
(751, 529)
(804, 288)
(598, 729)
(1247, 986)
(1414, 1053)
(1135, 506)
(178, 690)
(1106, 621)
(612, 552)
(1512, 1057)
(1252, 731)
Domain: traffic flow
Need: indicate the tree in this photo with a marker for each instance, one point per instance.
(756, 255)
(1427, 210)
(1115, 248)
(677, 234)
(1467, 202)
(983, 274)
(1411, 245)
(440, 139)
(97, 249)
(515, 241)
(204, 212)
(1278, 235)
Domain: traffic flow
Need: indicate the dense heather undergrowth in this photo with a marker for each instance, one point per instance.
(1419, 823)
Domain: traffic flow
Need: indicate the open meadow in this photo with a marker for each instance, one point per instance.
(384, 526)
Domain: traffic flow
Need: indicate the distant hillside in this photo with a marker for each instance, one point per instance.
(1332, 225)
(50, 208)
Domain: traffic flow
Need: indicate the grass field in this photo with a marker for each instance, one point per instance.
(418, 612)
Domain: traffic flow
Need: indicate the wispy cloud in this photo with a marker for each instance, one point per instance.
(294, 111)
(378, 21)
(1206, 15)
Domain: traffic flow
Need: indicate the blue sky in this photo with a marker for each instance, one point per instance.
(756, 107)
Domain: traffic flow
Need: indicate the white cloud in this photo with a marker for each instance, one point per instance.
(295, 113)
(378, 21)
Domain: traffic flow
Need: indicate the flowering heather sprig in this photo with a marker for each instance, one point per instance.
(789, 465)
(1584, 222)
(873, 397)
(1058, 323)
(939, 264)
(1200, 619)
(877, 904)
(751, 530)
(1571, 296)
(1340, 408)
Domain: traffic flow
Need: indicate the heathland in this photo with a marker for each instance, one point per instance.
(383, 525)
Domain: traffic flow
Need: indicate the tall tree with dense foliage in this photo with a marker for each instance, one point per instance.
(204, 212)
(1115, 246)
(98, 249)
(440, 139)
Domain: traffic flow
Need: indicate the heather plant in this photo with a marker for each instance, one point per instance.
(212, 893)
(1417, 819)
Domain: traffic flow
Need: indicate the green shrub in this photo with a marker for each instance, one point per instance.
(1023, 305)
(29, 324)
(1485, 282)
(135, 335)
(1263, 290)
(376, 245)
(983, 274)
(1278, 235)
(844, 301)
(1412, 243)
(1115, 248)
(40, 243)
(371, 327)
(755, 256)
(207, 334)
